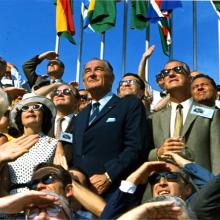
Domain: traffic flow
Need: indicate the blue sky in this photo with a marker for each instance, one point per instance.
(28, 29)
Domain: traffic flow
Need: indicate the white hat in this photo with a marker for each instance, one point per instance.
(31, 98)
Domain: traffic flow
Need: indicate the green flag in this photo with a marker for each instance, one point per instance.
(139, 14)
(102, 14)
(164, 31)
(216, 6)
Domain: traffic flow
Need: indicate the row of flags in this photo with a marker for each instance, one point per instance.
(100, 16)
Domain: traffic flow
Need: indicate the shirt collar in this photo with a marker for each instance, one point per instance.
(103, 101)
(185, 104)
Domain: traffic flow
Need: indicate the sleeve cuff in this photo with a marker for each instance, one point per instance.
(127, 187)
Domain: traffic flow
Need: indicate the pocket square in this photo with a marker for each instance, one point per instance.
(111, 120)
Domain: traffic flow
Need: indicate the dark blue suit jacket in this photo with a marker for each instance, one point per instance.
(116, 141)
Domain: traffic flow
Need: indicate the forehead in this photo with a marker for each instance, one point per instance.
(63, 87)
(95, 63)
(83, 92)
(201, 80)
(32, 103)
(172, 64)
(129, 78)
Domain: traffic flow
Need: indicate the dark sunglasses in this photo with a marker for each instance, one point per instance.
(60, 91)
(47, 179)
(170, 176)
(34, 107)
(177, 69)
(52, 211)
(128, 82)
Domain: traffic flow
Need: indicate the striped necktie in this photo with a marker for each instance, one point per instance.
(95, 112)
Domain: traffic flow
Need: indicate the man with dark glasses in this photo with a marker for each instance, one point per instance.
(55, 70)
(185, 123)
(85, 99)
(66, 99)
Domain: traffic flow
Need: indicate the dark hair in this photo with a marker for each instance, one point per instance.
(185, 66)
(202, 75)
(2, 61)
(64, 174)
(46, 121)
(140, 81)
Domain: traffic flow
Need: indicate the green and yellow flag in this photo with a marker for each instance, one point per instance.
(102, 14)
(64, 20)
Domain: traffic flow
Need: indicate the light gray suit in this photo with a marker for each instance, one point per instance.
(200, 134)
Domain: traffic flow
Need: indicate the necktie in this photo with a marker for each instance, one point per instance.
(58, 128)
(178, 121)
(95, 112)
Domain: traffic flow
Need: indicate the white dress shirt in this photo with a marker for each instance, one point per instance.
(65, 122)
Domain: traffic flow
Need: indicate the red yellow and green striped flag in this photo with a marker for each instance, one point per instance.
(64, 20)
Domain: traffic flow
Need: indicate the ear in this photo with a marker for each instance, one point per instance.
(187, 191)
(69, 190)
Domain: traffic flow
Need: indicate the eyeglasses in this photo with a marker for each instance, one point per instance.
(128, 82)
(177, 69)
(52, 211)
(170, 176)
(84, 97)
(48, 179)
(60, 91)
(34, 107)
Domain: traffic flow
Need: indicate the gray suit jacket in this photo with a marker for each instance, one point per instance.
(200, 134)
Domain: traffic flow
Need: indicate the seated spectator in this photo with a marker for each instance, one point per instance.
(204, 90)
(33, 115)
(12, 78)
(85, 99)
(55, 70)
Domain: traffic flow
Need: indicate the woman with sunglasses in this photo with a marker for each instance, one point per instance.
(32, 115)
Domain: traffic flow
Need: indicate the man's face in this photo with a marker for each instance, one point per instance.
(85, 99)
(203, 91)
(166, 186)
(130, 86)
(175, 79)
(54, 69)
(97, 77)
(64, 99)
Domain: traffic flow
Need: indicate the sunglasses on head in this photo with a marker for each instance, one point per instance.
(52, 211)
(62, 91)
(47, 179)
(170, 176)
(128, 82)
(176, 69)
(34, 107)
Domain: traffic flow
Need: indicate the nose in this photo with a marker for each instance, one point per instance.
(200, 88)
(163, 181)
(40, 186)
(172, 73)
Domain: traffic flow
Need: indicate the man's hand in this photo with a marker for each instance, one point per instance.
(14, 92)
(154, 210)
(140, 176)
(60, 158)
(50, 55)
(173, 144)
(11, 150)
(148, 52)
(100, 183)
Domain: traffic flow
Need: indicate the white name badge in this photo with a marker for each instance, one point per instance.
(202, 111)
(67, 137)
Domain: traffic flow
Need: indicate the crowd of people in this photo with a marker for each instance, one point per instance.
(70, 153)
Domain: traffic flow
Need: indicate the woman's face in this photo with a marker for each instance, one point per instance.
(32, 114)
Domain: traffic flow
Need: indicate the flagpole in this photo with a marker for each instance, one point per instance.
(147, 43)
(79, 56)
(171, 36)
(124, 37)
(195, 66)
(102, 47)
(57, 44)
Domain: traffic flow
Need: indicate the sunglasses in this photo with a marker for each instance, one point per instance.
(34, 107)
(128, 82)
(46, 180)
(52, 211)
(177, 69)
(170, 176)
(60, 91)
(84, 97)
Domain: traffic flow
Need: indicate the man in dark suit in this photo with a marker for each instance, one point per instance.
(55, 70)
(66, 100)
(110, 134)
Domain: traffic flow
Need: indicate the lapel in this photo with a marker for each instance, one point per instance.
(165, 121)
(111, 103)
(189, 119)
(69, 128)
